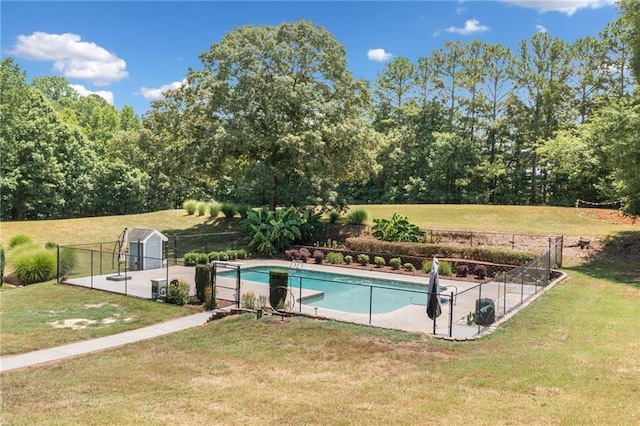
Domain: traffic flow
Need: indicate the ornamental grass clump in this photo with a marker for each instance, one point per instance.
(35, 265)
(335, 258)
(190, 206)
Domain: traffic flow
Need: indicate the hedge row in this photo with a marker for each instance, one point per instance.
(483, 254)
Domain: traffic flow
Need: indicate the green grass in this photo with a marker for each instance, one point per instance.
(29, 313)
(521, 219)
(577, 345)
(572, 357)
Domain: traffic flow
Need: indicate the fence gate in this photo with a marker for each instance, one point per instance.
(226, 287)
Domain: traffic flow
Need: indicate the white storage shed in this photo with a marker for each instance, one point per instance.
(146, 249)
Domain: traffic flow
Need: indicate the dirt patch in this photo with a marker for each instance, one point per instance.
(608, 216)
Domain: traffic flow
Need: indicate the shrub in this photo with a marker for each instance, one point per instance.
(214, 255)
(20, 240)
(202, 259)
(348, 259)
(483, 254)
(67, 261)
(444, 267)
(318, 256)
(304, 254)
(228, 210)
(357, 217)
(190, 258)
(243, 210)
(261, 302)
(398, 228)
(480, 271)
(210, 301)
(278, 282)
(50, 245)
(34, 266)
(178, 292)
(408, 266)
(395, 263)
(214, 209)
(202, 279)
(292, 254)
(379, 261)
(202, 208)
(248, 300)
(272, 232)
(241, 254)
(334, 216)
(224, 257)
(363, 259)
(190, 206)
(462, 270)
(232, 254)
(335, 258)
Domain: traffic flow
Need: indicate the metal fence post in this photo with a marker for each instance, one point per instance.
(300, 298)
(100, 258)
(57, 264)
(91, 269)
(370, 303)
(451, 316)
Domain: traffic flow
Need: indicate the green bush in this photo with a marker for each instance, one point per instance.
(228, 210)
(202, 208)
(50, 245)
(248, 300)
(178, 292)
(214, 255)
(243, 210)
(379, 261)
(278, 284)
(190, 206)
(363, 259)
(202, 279)
(357, 217)
(214, 209)
(210, 301)
(261, 302)
(34, 266)
(335, 258)
(241, 254)
(444, 267)
(348, 259)
(232, 254)
(190, 258)
(395, 263)
(334, 217)
(483, 254)
(202, 259)
(20, 240)
(408, 266)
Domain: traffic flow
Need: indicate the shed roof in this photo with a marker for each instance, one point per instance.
(143, 234)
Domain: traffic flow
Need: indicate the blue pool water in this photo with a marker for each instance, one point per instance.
(344, 292)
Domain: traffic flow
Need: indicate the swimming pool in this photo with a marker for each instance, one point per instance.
(346, 293)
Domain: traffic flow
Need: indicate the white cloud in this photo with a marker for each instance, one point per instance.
(72, 57)
(379, 55)
(471, 26)
(541, 28)
(568, 7)
(158, 93)
(83, 91)
(461, 10)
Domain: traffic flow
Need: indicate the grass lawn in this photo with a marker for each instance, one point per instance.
(572, 357)
(44, 315)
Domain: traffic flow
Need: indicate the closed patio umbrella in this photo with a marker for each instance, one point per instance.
(124, 241)
(433, 298)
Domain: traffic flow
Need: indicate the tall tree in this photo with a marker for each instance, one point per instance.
(396, 82)
(284, 115)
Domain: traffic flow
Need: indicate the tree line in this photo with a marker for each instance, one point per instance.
(274, 117)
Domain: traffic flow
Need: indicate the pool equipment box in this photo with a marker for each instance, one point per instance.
(158, 288)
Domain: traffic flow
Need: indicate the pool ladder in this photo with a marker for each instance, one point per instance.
(296, 264)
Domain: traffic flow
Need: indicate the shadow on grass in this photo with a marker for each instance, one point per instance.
(214, 234)
(617, 261)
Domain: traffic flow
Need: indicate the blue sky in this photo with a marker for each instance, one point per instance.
(128, 51)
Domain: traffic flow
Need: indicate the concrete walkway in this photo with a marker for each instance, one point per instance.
(14, 362)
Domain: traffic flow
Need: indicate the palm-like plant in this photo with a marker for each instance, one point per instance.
(398, 228)
(270, 232)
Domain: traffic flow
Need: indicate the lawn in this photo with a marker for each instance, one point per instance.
(573, 357)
